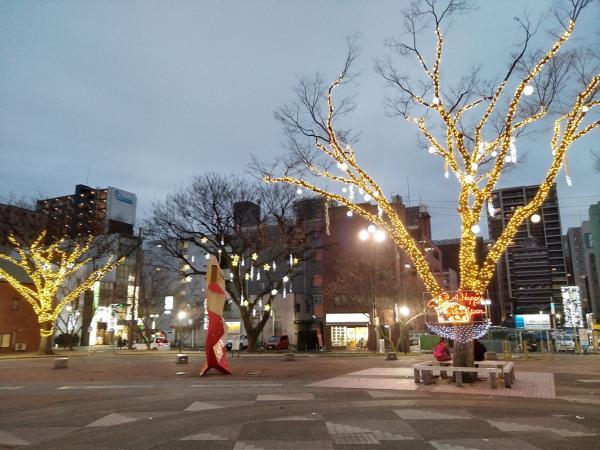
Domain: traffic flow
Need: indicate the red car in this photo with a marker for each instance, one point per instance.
(278, 343)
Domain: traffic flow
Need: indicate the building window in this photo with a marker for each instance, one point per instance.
(317, 280)
(297, 307)
(5, 340)
(15, 304)
(317, 299)
(338, 336)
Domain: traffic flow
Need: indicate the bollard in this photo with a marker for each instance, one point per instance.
(181, 358)
(61, 363)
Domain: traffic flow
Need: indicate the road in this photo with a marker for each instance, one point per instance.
(147, 401)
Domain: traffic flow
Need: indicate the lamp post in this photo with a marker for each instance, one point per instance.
(373, 235)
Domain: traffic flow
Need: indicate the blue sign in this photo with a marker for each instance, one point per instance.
(519, 321)
(123, 198)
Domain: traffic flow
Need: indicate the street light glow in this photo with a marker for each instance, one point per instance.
(363, 235)
(181, 315)
(404, 311)
(379, 236)
(371, 229)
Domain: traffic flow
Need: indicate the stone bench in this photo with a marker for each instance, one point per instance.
(508, 368)
(424, 372)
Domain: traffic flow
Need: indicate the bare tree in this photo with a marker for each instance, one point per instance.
(258, 247)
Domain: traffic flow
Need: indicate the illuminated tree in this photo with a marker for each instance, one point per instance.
(476, 149)
(51, 267)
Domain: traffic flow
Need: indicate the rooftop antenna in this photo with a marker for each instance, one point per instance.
(408, 194)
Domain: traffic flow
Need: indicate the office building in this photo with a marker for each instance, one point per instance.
(532, 269)
(90, 211)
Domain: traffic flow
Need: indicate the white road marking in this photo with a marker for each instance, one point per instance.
(236, 385)
(10, 388)
(108, 386)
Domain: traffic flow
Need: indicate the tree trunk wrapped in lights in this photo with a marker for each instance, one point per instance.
(50, 267)
(476, 150)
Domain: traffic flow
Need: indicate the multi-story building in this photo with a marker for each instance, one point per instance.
(19, 328)
(359, 276)
(90, 211)
(591, 237)
(533, 269)
(22, 223)
(576, 263)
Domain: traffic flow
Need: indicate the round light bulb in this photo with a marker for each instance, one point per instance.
(299, 191)
(435, 101)
(494, 153)
(508, 158)
(344, 189)
(432, 149)
(379, 235)
(349, 213)
(475, 228)
(371, 229)
(536, 218)
(367, 197)
(585, 108)
(528, 90)
(469, 179)
(363, 235)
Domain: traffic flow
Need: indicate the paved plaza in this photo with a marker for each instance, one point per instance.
(322, 402)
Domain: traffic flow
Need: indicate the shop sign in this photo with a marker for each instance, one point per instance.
(362, 318)
(533, 321)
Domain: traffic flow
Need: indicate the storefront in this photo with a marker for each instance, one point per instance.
(347, 330)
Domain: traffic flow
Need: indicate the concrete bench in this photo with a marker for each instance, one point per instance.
(424, 372)
(506, 366)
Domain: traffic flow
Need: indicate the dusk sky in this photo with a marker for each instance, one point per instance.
(143, 95)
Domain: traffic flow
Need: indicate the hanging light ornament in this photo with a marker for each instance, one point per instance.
(298, 191)
(257, 274)
(274, 266)
(252, 272)
(431, 150)
(435, 101)
(567, 176)
(379, 211)
(513, 150)
(285, 280)
(351, 192)
(491, 209)
(349, 213)
(291, 260)
(528, 90)
(254, 256)
(446, 173)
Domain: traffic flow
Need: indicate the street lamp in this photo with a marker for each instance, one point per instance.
(404, 311)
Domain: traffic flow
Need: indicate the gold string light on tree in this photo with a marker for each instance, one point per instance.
(468, 155)
(50, 268)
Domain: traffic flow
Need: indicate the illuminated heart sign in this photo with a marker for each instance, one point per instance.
(463, 307)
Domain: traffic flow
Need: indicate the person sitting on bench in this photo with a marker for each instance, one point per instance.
(441, 352)
(478, 351)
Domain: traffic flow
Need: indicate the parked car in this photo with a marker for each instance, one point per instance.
(157, 343)
(243, 342)
(278, 343)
